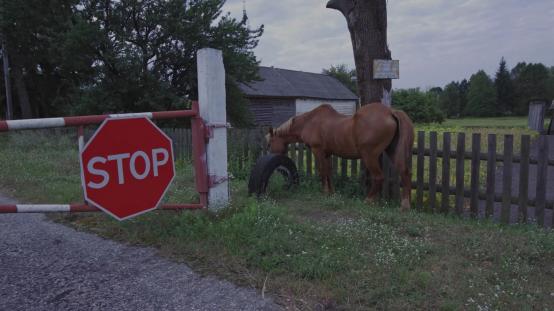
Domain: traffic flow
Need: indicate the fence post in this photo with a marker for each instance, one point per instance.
(475, 168)
(524, 215)
(433, 171)
(343, 168)
(420, 168)
(491, 176)
(309, 161)
(211, 96)
(542, 179)
(507, 179)
(335, 166)
(354, 168)
(445, 190)
(301, 157)
(460, 173)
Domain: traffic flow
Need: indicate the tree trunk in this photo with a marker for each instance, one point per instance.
(367, 23)
(22, 94)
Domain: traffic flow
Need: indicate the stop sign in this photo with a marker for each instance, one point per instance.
(127, 166)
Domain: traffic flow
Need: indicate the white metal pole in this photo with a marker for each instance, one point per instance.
(211, 100)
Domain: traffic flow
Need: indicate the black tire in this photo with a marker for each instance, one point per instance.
(265, 167)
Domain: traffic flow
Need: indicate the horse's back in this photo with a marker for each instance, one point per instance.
(326, 110)
(329, 130)
(374, 125)
(325, 119)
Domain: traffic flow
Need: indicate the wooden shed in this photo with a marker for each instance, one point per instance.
(282, 94)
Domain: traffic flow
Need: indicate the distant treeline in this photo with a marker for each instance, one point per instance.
(508, 93)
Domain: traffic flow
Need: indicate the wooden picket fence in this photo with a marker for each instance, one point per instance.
(476, 183)
(452, 173)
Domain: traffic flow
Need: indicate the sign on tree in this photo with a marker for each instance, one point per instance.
(386, 69)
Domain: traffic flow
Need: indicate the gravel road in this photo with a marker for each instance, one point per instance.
(48, 266)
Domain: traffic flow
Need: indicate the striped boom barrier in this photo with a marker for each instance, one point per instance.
(76, 208)
(199, 136)
(208, 123)
(30, 124)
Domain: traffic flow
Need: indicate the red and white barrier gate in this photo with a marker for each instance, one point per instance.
(209, 138)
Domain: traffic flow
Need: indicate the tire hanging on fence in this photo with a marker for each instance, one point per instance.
(264, 169)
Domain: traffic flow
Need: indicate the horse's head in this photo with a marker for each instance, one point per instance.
(276, 143)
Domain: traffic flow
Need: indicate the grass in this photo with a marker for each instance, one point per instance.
(496, 122)
(309, 251)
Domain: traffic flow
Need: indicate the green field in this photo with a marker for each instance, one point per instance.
(308, 251)
(498, 122)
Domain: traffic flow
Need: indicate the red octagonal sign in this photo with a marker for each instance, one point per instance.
(127, 166)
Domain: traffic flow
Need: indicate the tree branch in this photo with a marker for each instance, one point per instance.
(344, 6)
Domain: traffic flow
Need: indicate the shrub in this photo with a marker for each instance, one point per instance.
(422, 107)
(481, 97)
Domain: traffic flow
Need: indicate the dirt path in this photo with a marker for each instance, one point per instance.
(48, 266)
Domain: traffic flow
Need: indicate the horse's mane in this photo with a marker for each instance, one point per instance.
(284, 128)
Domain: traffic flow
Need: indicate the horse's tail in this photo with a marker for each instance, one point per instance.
(400, 152)
(401, 147)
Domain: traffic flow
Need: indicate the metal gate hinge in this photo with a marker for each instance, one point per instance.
(216, 180)
(211, 126)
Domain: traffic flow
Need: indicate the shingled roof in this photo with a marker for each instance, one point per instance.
(289, 83)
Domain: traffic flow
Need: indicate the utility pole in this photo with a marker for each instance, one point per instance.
(367, 23)
(5, 60)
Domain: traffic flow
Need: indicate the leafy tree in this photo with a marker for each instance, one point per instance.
(422, 107)
(516, 71)
(481, 96)
(146, 52)
(450, 100)
(504, 88)
(435, 93)
(345, 75)
(531, 83)
(436, 90)
(238, 111)
(464, 89)
(32, 31)
(125, 56)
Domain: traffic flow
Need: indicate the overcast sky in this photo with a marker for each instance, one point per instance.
(436, 41)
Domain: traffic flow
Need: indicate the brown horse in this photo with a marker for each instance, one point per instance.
(373, 130)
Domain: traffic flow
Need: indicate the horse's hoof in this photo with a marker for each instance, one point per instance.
(371, 201)
(405, 205)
